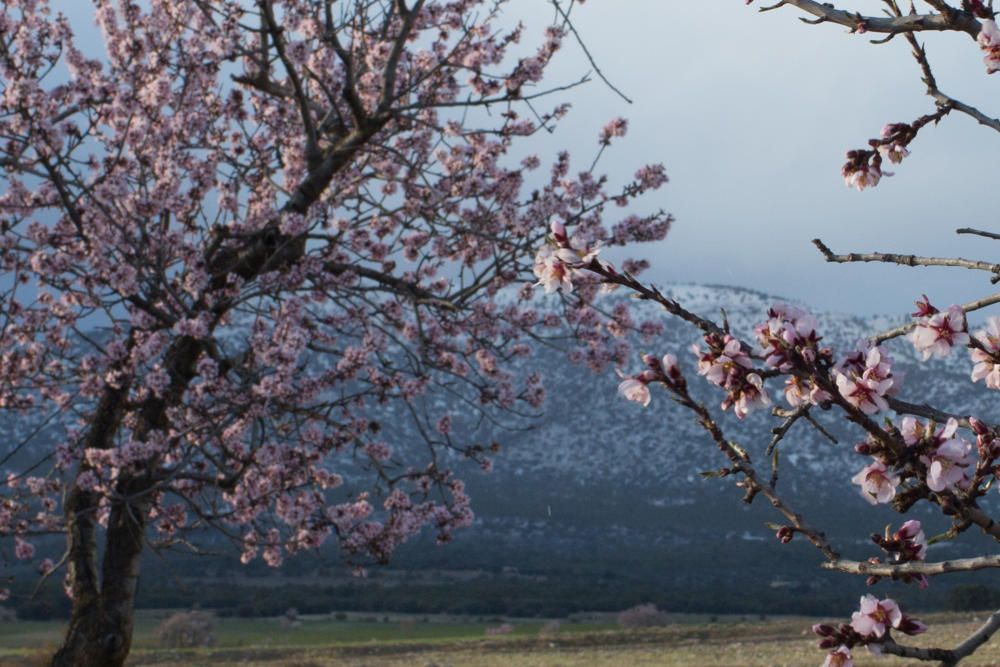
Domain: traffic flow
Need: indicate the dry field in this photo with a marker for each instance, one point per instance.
(782, 642)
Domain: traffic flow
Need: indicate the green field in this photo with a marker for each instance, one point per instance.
(398, 641)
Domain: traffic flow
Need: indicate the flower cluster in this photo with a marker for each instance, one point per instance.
(863, 169)
(636, 387)
(727, 365)
(788, 342)
(561, 259)
(986, 354)
(936, 333)
(894, 139)
(989, 42)
(865, 377)
(948, 459)
(906, 545)
(870, 625)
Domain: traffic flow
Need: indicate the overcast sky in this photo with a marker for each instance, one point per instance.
(752, 113)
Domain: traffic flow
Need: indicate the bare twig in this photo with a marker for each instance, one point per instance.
(978, 232)
(906, 260)
(826, 12)
(586, 51)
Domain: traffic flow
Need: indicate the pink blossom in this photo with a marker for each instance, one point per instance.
(989, 42)
(556, 266)
(878, 484)
(937, 334)
(751, 396)
(893, 152)
(727, 365)
(635, 388)
(23, 550)
(985, 359)
(875, 617)
(912, 430)
(800, 391)
(894, 136)
(861, 178)
(865, 384)
(950, 465)
(614, 128)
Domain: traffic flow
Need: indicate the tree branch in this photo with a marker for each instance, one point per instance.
(905, 260)
(915, 567)
(825, 12)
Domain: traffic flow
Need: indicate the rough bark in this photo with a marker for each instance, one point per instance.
(101, 626)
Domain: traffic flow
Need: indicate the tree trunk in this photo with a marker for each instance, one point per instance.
(101, 625)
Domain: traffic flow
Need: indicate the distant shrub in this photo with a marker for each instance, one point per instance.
(340, 616)
(642, 616)
(550, 628)
(187, 629)
(290, 619)
(7, 615)
(502, 629)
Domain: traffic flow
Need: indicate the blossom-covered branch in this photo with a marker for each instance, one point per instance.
(863, 168)
(910, 460)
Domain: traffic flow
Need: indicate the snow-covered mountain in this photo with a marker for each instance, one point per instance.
(600, 474)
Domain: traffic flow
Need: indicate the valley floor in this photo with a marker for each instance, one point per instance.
(451, 642)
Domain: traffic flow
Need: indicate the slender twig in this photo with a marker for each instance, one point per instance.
(586, 51)
(905, 260)
(978, 232)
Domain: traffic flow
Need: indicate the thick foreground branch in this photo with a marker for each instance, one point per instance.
(947, 658)
(915, 567)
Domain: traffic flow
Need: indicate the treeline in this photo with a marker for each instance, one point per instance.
(499, 596)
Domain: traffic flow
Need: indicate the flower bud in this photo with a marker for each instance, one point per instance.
(558, 232)
(824, 629)
(911, 626)
(979, 427)
(670, 364)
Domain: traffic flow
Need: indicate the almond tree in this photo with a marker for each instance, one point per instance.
(237, 233)
(914, 453)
